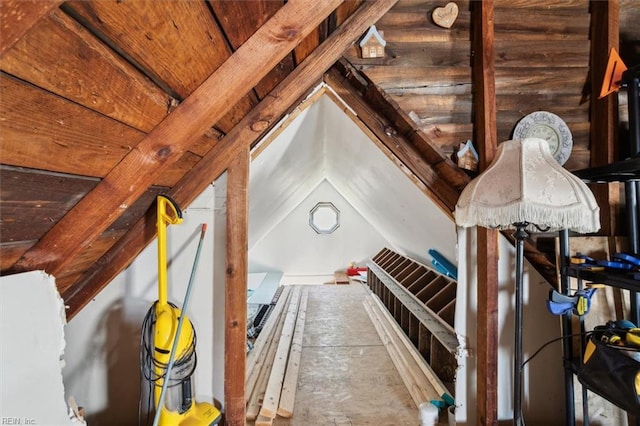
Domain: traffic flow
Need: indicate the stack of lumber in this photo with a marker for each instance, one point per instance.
(421, 382)
(273, 363)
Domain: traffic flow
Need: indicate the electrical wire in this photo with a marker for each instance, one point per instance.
(547, 343)
(143, 343)
(153, 371)
(544, 345)
(569, 336)
(150, 365)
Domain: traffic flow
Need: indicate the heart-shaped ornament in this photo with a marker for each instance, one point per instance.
(445, 16)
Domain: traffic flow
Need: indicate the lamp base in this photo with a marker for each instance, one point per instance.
(520, 235)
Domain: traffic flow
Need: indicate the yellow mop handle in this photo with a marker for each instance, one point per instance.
(168, 214)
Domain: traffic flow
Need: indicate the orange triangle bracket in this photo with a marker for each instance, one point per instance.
(613, 74)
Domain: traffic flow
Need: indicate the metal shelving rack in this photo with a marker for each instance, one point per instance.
(627, 172)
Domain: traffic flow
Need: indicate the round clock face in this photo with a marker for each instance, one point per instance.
(547, 133)
(550, 127)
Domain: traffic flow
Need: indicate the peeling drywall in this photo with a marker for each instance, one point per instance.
(32, 321)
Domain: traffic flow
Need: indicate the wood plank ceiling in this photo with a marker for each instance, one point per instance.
(118, 85)
(106, 104)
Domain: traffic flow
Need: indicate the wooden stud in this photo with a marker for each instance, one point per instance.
(485, 135)
(604, 130)
(235, 335)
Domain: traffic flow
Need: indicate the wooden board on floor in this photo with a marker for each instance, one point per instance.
(340, 278)
(274, 386)
(412, 351)
(346, 376)
(256, 356)
(290, 384)
(256, 395)
(421, 382)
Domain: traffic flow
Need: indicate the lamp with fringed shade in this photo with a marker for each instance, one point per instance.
(525, 189)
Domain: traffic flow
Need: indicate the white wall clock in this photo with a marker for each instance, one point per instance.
(548, 126)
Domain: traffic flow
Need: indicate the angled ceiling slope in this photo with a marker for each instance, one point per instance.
(324, 142)
(274, 54)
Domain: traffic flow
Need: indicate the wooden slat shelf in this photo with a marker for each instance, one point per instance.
(422, 303)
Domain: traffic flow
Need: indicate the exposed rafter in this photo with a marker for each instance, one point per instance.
(164, 145)
(245, 134)
(18, 16)
(441, 178)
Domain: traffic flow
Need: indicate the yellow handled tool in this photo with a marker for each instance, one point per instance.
(633, 337)
(168, 214)
(174, 341)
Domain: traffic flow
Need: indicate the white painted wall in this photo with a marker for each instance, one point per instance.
(543, 395)
(285, 173)
(32, 350)
(383, 193)
(103, 366)
(306, 257)
(323, 147)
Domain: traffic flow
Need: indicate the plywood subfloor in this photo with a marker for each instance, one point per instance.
(346, 375)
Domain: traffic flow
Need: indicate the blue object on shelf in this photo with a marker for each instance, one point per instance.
(615, 265)
(627, 258)
(587, 259)
(442, 265)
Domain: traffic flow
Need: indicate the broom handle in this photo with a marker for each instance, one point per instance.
(172, 355)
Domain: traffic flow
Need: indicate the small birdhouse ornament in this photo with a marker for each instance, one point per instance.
(467, 156)
(372, 44)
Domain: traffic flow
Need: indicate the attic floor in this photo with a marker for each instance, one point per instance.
(346, 375)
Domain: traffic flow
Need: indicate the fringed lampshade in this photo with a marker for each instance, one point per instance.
(524, 188)
(524, 183)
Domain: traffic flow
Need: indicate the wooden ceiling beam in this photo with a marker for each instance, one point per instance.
(18, 16)
(166, 143)
(382, 102)
(252, 127)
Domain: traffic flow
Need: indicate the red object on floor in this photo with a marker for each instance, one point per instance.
(354, 271)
